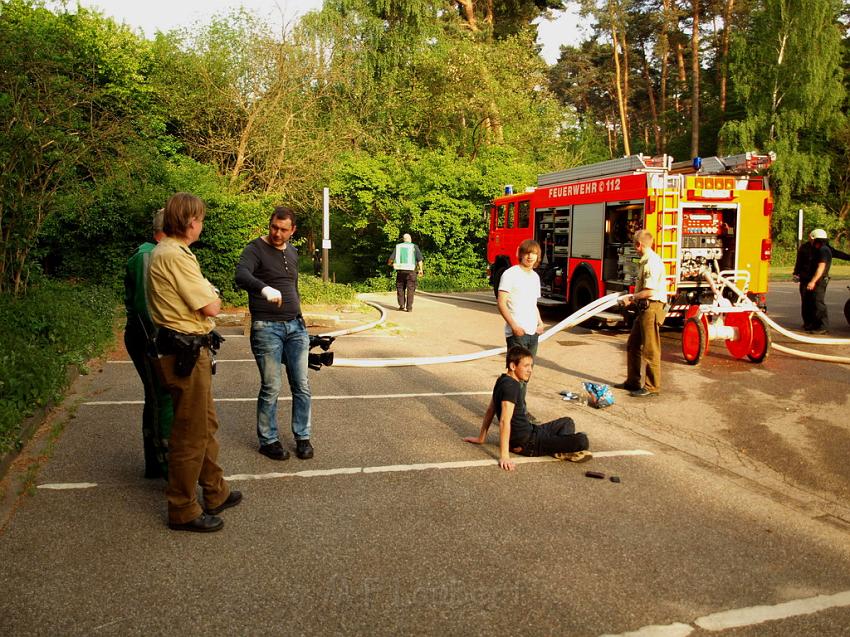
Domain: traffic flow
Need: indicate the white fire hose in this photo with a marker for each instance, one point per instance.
(581, 315)
(599, 305)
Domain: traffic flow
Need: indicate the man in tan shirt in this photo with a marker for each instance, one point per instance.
(644, 344)
(182, 303)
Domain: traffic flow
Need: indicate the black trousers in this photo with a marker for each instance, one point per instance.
(557, 436)
(813, 305)
(158, 412)
(405, 286)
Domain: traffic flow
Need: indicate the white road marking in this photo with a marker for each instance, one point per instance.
(101, 403)
(319, 473)
(670, 630)
(759, 614)
(62, 486)
(457, 464)
(742, 617)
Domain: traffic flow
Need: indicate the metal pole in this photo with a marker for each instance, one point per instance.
(799, 226)
(326, 233)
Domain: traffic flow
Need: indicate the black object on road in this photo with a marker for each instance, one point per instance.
(595, 474)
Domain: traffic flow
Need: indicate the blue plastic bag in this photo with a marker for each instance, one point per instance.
(598, 395)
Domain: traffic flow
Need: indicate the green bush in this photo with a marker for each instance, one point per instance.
(56, 324)
(460, 281)
(316, 292)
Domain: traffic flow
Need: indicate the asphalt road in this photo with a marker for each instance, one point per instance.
(731, 516)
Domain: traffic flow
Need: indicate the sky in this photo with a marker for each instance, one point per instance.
(163, 15)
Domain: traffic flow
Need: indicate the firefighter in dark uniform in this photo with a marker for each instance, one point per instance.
(811, 269)
(182, 304)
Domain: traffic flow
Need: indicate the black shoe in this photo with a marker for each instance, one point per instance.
(202, 524)
(303, 449)
(643, 392)
(410, 309)
(232, 500)
(400, 308)
(626, 386)
(275, 451)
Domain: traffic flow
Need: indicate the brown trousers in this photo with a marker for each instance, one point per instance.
(192, 447)
(644, 346)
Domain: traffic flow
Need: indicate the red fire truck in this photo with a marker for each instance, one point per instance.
(710, 212)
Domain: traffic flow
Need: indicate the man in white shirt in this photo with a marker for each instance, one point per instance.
(519, 289)
(644, 344)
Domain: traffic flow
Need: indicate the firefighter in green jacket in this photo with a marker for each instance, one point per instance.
(139, 335)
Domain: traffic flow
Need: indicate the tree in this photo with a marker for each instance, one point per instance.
(787, 73)
(696, 71)
(72, 114)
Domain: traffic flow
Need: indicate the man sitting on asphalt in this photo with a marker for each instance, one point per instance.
(557, 438)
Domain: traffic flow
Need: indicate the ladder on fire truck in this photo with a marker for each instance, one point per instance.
(621, 166)
(742, 163)
(668, 222)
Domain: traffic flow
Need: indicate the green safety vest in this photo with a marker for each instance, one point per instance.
(405, 257)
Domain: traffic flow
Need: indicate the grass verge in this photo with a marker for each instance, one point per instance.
(55, 325)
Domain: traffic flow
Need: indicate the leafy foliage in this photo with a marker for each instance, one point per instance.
(430, 194)
(73, 113)
(788, 77)
(54, 325)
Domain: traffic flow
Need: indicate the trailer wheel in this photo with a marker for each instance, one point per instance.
(847, 310)
(741, 346)
(761, 339)
(694, 340)
(693, 311)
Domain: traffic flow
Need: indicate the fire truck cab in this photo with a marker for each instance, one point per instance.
(713, 212)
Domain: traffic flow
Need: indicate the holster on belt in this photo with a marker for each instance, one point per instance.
(185, 347)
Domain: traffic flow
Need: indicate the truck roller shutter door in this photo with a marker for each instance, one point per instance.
(588, 231)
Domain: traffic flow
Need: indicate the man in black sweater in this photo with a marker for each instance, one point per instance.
(268, 271)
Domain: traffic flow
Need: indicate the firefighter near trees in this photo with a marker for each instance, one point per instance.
(709, 217)
(406, 260)
(811, 270)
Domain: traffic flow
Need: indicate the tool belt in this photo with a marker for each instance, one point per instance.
(186, 348)
(643, 304)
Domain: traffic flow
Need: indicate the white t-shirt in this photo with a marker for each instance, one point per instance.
(523, 290)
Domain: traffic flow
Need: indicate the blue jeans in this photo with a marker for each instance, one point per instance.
(528, 341)
(274, 343)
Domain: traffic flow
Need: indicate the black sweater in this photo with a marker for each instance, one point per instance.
(263, 265)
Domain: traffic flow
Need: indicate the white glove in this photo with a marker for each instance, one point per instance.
(271, 295)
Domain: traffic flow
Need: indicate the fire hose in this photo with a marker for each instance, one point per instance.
(581, 315)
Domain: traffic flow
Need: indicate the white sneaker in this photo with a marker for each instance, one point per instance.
(573, 456)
